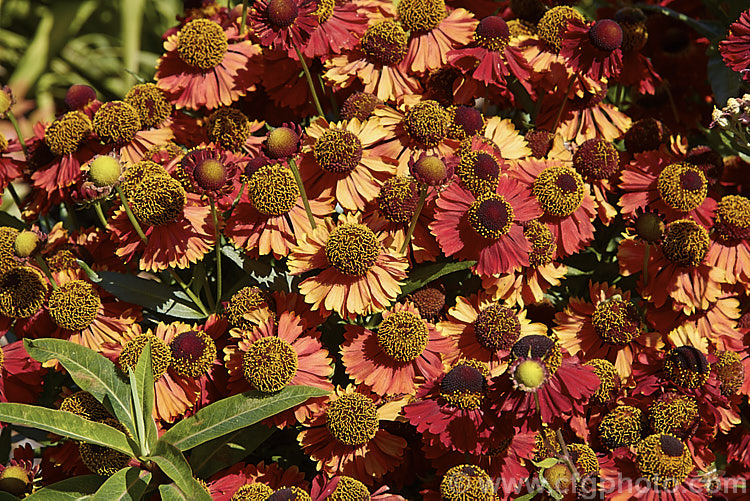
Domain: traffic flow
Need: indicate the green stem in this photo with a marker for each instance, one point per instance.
(414, 218)
(236, 200)
(21, 140)
(14, 194)
(71, 215)
(302, 191)
(206, 289)
(100, 213)
(40, 261)
(217, 246)
(566, 456)
(306, 70)
(334, 104)
(196, 300)
(244, 18)
(131, 217)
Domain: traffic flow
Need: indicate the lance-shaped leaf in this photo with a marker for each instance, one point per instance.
(142, 390)
(175, 466)
(222, 452)
(75, 488)
(235, 412)
(426, 274)
(128, 484)
(91, 371)
(68, 425)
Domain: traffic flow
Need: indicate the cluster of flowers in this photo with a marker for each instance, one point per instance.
(455, 391)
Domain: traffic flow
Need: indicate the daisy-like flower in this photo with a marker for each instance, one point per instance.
(734, 50)
(252, 481)
(593, 49)
(341, 26)
(378, 62)
(494, 233)
(569, 208)
(485, 330)
(357, 275)
(283, 24)
(271, 213)
(347, 437)
(203, 68)
(393, 358)
(178, 227)
(433, 31)
(730, 240)
(598, 161)
(343, 160)
(608, 327)
(676, 269)
(344, 487)
(276, 354)
(17, 477)
(21, 376)
(480, 165)
(10, 166)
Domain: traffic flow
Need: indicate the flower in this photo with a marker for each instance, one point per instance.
(735, 47)
(252, 480)
(347, 437)
(593, 49)
(10, 166)
(341, 26)
(358, 276)
(201, 68)
(211, 172)
(730, 240)
(283, 24)
(393, 358)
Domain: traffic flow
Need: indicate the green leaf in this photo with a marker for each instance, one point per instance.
(426, 274)
(175, 466)
(150, 294)
(75, 488)
(142, 388)
(546, 463)
(527, 497)
(235, 412)
(127, 484)
(66, 424)
(170, 492)
(725, 82)
(8, 220)
(7, 496)
(91, 371)
(219, 453)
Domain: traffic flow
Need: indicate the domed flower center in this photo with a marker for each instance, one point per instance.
(349, 489)
(464, 386)
(427, 123)
(293, 493)
(74, 304)
(27, 244)
(202, 44)
(492, 33)
(150, 103)
(543, 245)
(23, 290)
(467, 482)
(540, 347)
(559, 190)
(609, 380)
(352, 249)
(78, 96)
(596, 159)
(16, 480)
(729, 371)
(479, 171)
(540, 142)
(491, 215)
(385, 43)
(429, 300)
(193, 352)
(282, 13)
(83, 403)
(273, 190)
(324, 10)
(497, 327)
(649, 227)
(3, 143)
(158, 200)
(136, 173)
(161, 355)
(682, 186)
(465, 123)
(559, 477)
(733, 218)
(104, 171)
(338, 151)
(645, 135)
(554, 23)
(282, 142)
(419, 16)
(210, 174)
(252, 492)
(528, 374)
(352, 419)
(403, 336)
(359, 105)
(430, 170)
(228, 128)
(616, 321)
(584, 458)
(606, 35)
(674, 414)
(102, 460)
(116, 122)
(269, 364)
(621, 427)
(685, 243)
(244, 301)
(398, 199)
(686, 366)
(664, 460)
(64, 135)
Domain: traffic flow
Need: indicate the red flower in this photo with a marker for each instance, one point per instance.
(283, 24)
(593, 49)
(735, 50)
